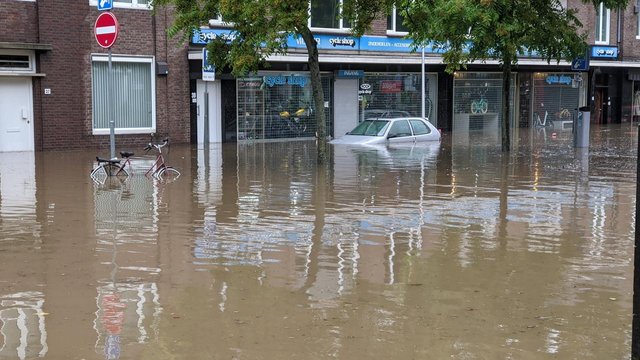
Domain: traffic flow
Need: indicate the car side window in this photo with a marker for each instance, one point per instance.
(400, 128)
(420, 128)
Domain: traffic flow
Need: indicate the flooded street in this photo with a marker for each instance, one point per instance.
(446, 251)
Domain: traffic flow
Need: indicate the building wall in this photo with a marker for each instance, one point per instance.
(631, 45)
(18, 19)
(63, 119)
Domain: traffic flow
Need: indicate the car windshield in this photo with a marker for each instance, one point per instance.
(370, 128)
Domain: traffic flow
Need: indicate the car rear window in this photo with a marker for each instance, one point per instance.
(419, 128)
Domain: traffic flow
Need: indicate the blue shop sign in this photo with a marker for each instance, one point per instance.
(350, 74)
(337, 42)
(559, 79)
(325, 41)
(604, 52)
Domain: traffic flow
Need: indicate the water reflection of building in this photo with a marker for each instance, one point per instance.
(127, 300)
(18, 198)
(23, 331)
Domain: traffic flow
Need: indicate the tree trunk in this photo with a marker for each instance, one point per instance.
(506, 96)
(318, 94)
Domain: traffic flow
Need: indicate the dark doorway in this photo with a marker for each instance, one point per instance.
(601, 101)
(229, 111)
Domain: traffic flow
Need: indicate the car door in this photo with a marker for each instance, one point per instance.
(400, 132)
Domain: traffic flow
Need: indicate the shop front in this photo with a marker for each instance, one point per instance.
(397, 95)
(279, 106)
(477, 106)
(556, 99)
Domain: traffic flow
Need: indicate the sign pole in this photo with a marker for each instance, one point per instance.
(112, 122)
(106, 32)
(423, 85)
(635, 320)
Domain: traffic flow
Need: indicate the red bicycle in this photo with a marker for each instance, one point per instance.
(160, 170)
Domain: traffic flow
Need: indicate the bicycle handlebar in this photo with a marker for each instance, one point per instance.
(150, 146)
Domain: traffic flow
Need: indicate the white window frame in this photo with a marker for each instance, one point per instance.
(32, 62)
(604, 25)
(638, 25)
(394, 25)
(129, 59)
(340, 29)
(133, 5)
(216, 21)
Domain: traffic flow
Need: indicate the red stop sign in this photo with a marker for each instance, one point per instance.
(106, 29)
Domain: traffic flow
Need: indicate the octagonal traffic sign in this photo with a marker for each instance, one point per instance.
(106, 29)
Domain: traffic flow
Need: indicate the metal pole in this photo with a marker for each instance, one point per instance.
(112, 122)
(206, 114)
(423, 86)
(635, 327)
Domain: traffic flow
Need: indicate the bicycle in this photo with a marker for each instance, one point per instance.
(112, 167)
(543, 123)
(160, 170)
(295, 124)
(480, 106)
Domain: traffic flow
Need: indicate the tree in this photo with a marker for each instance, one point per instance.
(470, 30)
(260, 29)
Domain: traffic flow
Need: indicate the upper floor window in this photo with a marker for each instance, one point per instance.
(603, 18)
(395, 22)
(638, 26)
(133, 4)
(327, 14)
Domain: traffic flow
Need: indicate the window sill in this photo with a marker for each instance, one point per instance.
(330, 31)
(100, 132)
(397, 33)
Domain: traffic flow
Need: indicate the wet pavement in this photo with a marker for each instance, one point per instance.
(451, 250)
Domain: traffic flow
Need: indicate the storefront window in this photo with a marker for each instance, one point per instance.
(477, 104)
(389, 95)
(277, 106)
(555, 100)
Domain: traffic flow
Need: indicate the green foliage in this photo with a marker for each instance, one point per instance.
(260, 28)
(471, 30)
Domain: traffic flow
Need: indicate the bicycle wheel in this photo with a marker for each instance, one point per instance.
(483, 106)
(167, 173)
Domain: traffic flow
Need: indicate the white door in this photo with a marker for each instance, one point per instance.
(213, 88)
(16, 114)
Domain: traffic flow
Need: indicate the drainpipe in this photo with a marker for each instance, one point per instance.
(618, 32)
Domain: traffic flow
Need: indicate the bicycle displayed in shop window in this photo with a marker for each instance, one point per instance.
(480, 106)
(295, 123)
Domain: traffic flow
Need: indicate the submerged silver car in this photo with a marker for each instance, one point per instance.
(387, 131)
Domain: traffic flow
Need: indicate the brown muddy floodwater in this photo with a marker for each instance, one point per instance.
(447, 251)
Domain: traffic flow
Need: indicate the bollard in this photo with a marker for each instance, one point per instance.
(581, 128)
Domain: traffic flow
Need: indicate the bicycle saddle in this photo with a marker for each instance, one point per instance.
(126, 154)
(112, 161)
